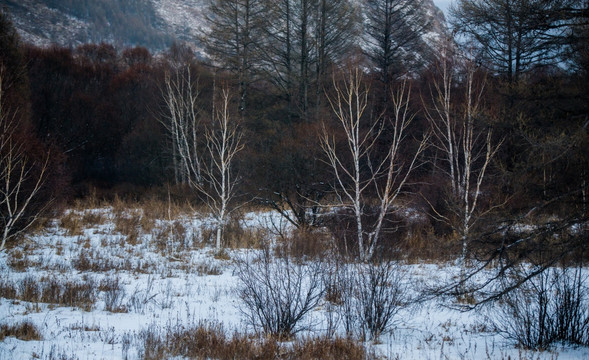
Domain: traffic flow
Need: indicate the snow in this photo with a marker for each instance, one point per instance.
(185, 285)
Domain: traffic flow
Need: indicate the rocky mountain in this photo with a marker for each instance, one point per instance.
(155, 24)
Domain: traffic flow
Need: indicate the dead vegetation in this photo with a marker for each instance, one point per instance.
(210, 341)
(52, 290)
(25, 331)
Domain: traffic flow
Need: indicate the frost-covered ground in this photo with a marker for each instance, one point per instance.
(155, 275)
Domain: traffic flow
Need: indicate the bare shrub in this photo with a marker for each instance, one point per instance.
(25, 331)
(571, 316)
(366, 296)
(114, 294)
(550, 307)
(278, 294)
(381, 294)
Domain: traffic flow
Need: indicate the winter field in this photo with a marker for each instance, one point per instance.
(111, 282)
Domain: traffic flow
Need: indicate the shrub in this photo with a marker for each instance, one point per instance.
(550, 307)
(277, 294)
(366, 296)
(114, 294)
(380, 295)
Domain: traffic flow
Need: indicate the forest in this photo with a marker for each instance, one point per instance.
(473, 146)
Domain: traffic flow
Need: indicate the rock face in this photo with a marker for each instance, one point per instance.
(155, 24)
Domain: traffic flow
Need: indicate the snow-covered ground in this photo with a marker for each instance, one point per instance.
(155, 275)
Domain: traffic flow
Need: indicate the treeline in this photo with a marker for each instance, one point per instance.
(102, 111)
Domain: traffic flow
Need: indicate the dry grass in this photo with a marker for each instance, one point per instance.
(89, 260)
(72, 224)
(155, 208)
(237, 236)
(80, 294)
(171, 238)
(25, 331)
(329, 349)
(114, 294)
(129, 225)
(92, 218)
(423, 245)
(206, 268)
(304, 244)
(19, 260)
(210, 342)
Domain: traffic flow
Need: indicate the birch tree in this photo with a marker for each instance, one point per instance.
(385, 178)
(467, 147)
(21, 180)
(181, 119)
(223, 143)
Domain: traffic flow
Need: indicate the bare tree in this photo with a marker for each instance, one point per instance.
(235, 28)
(516, 36)
(181, 119)
(303, 38)
(223, 142)
(468, 149)
(20, 179)
(354, 182)
(394, 29)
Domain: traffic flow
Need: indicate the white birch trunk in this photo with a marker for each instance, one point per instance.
(348, 105)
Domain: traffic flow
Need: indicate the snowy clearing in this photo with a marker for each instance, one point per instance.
(155, 275)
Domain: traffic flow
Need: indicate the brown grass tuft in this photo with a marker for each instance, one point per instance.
(329, 349)
(80, 294)
(209, 341)
(92, 218)
(26, 331)
(72, 224)
(310, 244)
(19, 260)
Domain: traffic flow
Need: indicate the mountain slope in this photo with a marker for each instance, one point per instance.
(154, 24)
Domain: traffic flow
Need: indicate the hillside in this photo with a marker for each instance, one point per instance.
(155, 24)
